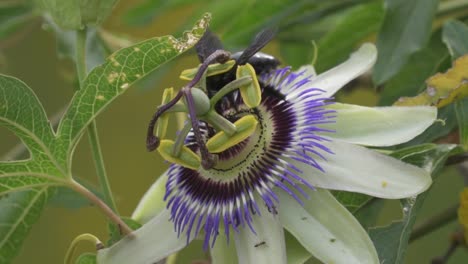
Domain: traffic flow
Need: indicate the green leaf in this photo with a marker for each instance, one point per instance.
(461, 109)
(51, 153)
(421, 65)
(296, 253)
(442, 88)
(22, 113)
(297, 53)
(13, 18)
(285, 14)
(75, 14)
(405, 30)
(391, 241)
(149, 10)
(115, 233)
(29, 123)
(369, 213)
(352, 201)
(360, 22)
(86, 258)
(111, 79)
(455, 36)
(19, 211)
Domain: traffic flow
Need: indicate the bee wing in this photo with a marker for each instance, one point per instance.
(261, 39)
(208, 44)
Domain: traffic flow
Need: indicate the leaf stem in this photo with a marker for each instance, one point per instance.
(81, 55)
(103, 206)
(435, 222)
(100, 168)
(93, 135)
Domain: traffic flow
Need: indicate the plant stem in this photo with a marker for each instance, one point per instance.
(451, 6)
(92, 128)
(81, 55)
(100, 169)
(83, 237)
(103, 206)
(435, 222)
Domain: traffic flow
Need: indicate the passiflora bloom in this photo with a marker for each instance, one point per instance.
(277, 177)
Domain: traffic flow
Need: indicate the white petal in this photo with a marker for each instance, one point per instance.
(222, 252)
(265, 247)
(325, 228)
(306, 70)
(379, 126)
(357, 169)
(154, 241)
(358, 63)
(152, 202)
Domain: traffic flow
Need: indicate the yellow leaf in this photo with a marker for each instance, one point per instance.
(442, 88)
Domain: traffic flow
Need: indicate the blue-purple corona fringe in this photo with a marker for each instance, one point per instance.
(291, 112)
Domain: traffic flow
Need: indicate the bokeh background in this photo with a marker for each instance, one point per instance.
(32, 57)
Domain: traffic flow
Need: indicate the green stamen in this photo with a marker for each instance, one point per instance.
(251, 93)
(164, 119)
(213, 69)
(186, 158)
(229, 88)
(245, 127)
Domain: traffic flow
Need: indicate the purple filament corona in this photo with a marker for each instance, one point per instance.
(291, 112)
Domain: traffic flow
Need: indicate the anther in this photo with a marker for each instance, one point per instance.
(152, 142)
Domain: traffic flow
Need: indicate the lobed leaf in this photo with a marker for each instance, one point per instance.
(25, 185)
(22, 113)
(20, 210)
(111, 79)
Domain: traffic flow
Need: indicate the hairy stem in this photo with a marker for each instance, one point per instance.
(435, 222)
(93, 135)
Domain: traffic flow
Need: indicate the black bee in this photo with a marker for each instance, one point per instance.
(262, 63)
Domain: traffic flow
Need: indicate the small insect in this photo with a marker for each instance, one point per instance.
(262, 63)
(260, 244)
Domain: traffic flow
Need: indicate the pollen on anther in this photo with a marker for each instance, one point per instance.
(384, 184)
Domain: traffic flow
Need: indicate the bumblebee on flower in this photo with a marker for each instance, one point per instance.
(262, 147)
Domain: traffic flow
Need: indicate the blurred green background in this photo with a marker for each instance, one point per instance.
(122, 127)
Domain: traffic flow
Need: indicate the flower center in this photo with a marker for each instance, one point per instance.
(248, 174)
